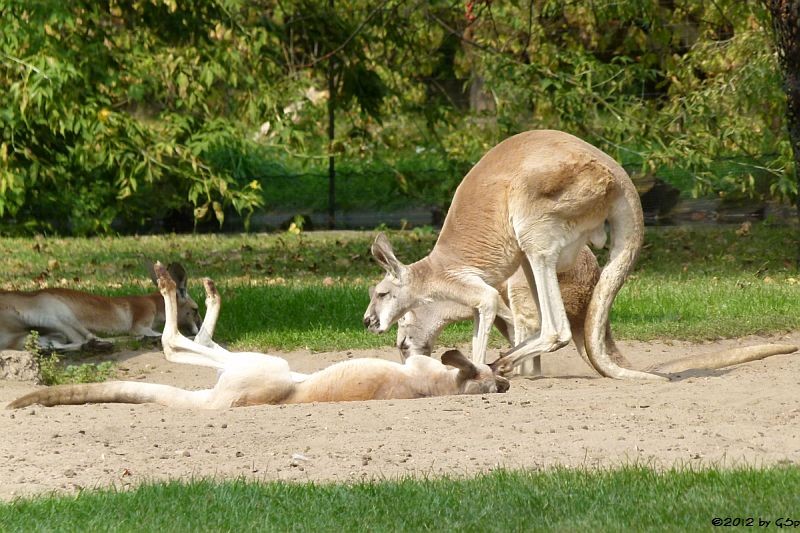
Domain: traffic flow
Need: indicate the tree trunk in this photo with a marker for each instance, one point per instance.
(786, 26)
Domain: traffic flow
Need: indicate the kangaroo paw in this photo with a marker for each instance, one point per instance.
(96, 345)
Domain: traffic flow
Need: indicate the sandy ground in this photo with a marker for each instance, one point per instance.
(749, 414)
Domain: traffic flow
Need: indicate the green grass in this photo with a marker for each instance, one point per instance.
(115, 264)
(697, 283)
(307, 316)
(701, 308)
(629, 498)
(324, 318)
(118, 262)
(690, 283)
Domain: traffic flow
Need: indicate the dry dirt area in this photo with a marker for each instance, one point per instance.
(749, 414)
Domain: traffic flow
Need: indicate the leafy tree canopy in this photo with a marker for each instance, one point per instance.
(126, 115)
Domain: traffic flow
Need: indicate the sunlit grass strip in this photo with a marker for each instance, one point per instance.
(319, 317)
(111, 263)
(284, 292)
(651, 307)
(623, 499)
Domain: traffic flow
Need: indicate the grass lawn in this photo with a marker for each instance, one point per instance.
(625, 499)
(284, 291)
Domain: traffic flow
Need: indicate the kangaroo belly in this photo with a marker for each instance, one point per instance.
(355, 380)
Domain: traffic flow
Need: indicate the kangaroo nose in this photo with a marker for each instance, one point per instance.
(502, 384)
(367, 321)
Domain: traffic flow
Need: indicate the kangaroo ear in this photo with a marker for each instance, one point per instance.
(178, 274)
(151, 271)
(466, 369)
(158, 271)
(384, 255)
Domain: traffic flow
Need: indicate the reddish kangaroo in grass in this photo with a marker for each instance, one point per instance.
(418, 329)
(534, 200)
(256, 379)
(68, 320)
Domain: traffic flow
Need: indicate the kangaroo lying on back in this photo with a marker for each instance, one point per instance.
(68, 320)
(256, 379)
(534, 200)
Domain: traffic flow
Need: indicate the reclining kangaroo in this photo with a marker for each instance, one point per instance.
(535, 200)
(254, 379)
(67, 320)
(418, 329)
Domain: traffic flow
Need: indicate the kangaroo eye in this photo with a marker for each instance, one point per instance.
(383, 294)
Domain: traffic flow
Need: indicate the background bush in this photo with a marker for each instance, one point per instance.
(160, 114)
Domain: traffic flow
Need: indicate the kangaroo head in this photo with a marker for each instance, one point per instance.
(394, 295)
(418, 329)
(474, 378)
(416, 333)
(503, 365)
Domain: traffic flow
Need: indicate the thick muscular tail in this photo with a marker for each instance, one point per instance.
(112, 392)
(724, 358)
(627, 231)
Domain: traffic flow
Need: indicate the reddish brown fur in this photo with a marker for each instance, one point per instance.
(104, 312)
(69, 320)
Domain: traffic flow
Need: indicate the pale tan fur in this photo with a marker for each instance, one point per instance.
(69, 320)
(723, 359)
(255, 378)
(534, 200)
(419, 328)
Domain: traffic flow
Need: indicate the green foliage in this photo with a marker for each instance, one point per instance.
(110, 114)
(122, 116)
(381, 184)
(684, 86)
(52, 371)
(87, 373)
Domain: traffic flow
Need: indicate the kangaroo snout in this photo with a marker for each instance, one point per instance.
(373, 323)
(369, 322)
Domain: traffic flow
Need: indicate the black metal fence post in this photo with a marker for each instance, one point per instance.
(331, 131)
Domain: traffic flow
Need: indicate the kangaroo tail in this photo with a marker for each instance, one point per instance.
(112, 392)
(627, 231)
(724, 358)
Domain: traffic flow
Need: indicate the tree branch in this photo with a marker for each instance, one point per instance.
(349, 37)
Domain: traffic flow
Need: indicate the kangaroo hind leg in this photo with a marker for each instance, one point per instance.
(547, 246)
(178, 348)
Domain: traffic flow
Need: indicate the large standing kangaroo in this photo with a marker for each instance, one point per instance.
(533, 200)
